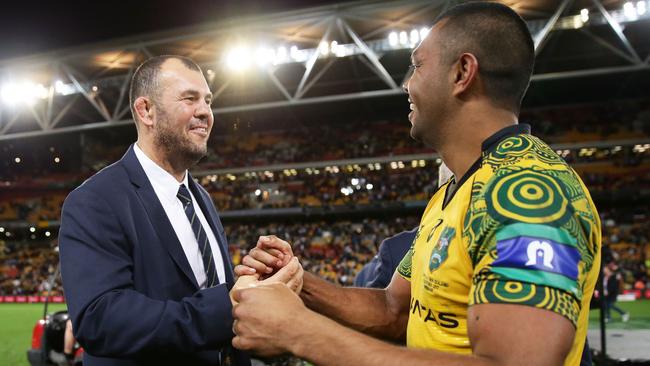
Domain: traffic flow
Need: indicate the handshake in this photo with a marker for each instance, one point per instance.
(267, 310)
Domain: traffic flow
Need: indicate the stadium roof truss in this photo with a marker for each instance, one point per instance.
(341, 52)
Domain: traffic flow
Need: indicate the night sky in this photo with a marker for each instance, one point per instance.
(29, 27)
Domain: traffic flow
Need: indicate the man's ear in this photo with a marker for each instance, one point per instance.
(144, 111)
(465, 73)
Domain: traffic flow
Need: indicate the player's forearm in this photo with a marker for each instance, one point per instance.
(340, 346)
(363, 309)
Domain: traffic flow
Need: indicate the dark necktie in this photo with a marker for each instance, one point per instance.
(201, 237)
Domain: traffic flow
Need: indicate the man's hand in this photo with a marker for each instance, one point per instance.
(269, 255)
(268, 319)
(289, 275)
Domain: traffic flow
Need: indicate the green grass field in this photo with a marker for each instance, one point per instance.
(16, 330)
(639, 316)
(19, 319)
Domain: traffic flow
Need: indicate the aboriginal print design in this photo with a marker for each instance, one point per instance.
(492, 290)
(529, 184)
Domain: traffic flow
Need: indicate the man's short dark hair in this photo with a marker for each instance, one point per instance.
(144, 81)
(500, 40)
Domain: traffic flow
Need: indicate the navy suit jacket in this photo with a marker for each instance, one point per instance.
(379, 271)
(131, 292)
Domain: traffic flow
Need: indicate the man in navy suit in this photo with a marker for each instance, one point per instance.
(378, 272)
(144, 257)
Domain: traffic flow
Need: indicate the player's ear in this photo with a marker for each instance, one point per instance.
(465, 73)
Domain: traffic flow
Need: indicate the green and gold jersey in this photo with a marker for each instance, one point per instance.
(520, 228)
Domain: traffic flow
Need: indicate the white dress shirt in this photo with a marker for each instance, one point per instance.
(166, 188)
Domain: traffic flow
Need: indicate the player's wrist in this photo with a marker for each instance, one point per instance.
(301, 333)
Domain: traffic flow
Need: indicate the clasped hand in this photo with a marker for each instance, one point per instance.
(266, 306)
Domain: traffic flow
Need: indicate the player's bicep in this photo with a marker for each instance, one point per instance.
(533, 265)
(515, 334)
(398, 293)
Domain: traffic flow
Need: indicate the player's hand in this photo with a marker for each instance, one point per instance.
(265, 319)
(289, 275)
(269, 255)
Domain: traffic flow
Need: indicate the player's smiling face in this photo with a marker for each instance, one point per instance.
(427, 88)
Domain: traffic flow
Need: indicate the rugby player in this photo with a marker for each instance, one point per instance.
(507, 254)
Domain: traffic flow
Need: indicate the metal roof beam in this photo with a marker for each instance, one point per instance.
(542, 36)
(309, 65)
(371, 55)
(616, 27)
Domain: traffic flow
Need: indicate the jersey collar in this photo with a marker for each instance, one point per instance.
(487, 145)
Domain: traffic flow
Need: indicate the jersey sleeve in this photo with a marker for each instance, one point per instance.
(529, 243)
(404, 268)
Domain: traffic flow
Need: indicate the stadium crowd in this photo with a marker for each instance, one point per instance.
(621, 176)
(33, 190)
(335, 250)
(234, 144)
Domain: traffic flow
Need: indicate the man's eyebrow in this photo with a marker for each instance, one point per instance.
(196, 93)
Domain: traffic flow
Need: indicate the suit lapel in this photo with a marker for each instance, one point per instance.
(215, 224)
(156, 213)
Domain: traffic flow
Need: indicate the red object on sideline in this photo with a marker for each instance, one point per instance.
(37, 334)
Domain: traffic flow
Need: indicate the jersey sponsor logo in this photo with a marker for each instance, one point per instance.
(443, 319)
(440, 251)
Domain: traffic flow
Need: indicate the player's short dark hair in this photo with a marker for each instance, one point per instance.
(144, 82)
(500, 40)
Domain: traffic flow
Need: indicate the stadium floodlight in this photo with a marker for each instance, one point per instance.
(64, 89)
(293, 52)
(393, 39)
(333, 46)
(403, 38)
(641, 7)
(577, 22)
(630, 11)
(324, 48)
(414, 37)
(337, 49)
(17, 160)
(24, 92)
(57, 160)
(584, 15)
(280, 55)
(423, 32)
(264, 56)
(239, 58)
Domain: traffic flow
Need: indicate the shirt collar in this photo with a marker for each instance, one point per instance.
(487, 144)
(160, 179)
(512, 130)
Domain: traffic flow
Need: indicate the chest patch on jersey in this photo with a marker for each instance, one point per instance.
(441, 249)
